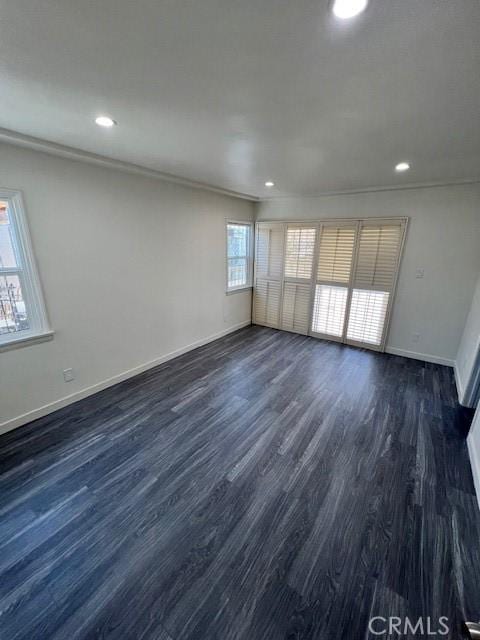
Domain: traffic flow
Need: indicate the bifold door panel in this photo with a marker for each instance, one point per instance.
(333, 279)
(269, 260)
(335, 253)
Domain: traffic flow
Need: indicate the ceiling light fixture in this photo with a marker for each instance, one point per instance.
(105, 121)
(345, 9)
(269, 183)
(402, 166)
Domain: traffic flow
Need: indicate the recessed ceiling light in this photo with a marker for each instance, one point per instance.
(105, 121)
(269, 183)
(345, 9)
(402, 166)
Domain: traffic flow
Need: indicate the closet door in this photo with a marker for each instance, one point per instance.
(335, 258)
(298, 269)
(269, 261)
(376, 268)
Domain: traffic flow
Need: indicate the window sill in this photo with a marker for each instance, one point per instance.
(229, 292)
(26, 340)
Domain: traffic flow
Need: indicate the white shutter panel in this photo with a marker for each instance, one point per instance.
(378, 254)
(335, 258)
(299, 253)
(299, 249)
(267, 303)
(269, 251)
(296, 307)
(268, 274)
(336, 254)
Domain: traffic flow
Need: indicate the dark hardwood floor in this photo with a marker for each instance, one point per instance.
(265, 486)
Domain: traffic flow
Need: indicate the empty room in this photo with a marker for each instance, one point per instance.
(239, 320)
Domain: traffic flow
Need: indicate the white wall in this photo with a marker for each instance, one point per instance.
(469, 344)
(443, 238)
(132, 269)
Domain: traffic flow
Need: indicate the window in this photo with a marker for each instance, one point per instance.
(239, 255)
(22, 312)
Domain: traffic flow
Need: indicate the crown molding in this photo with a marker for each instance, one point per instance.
(52, 148)
(396, 187)
(63, 151)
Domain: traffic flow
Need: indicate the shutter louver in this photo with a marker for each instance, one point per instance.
(267, 303)
(299, 252)
(378, 253)
(366, 321)
(336, 254)
(296, 307)
(269, 253)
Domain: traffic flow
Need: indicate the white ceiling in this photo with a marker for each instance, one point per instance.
(235, 92)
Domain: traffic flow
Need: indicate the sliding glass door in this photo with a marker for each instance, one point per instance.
(333, 279)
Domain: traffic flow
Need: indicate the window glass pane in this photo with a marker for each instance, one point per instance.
(13, 316)
(7, 253)
(237, 272)
(329, 310)
(237, 240)
(367, 316)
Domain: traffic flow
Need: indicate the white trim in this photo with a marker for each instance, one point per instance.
(63, 151)
(458, 383)
(103, 384)
(239, 290)
(333, 221)
(52, 148)
(24, 338)
(460, 182)
(426, 357)
(475, 466)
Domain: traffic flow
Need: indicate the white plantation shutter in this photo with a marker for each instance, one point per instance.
(366, 321)
(336, 254)
(335, 259)
(267, 303)
(300, 245)
(335, 279)
(378, 255)
(329, 310)
(296, 307)
(299, 254)
(269, 250)
(378, 252)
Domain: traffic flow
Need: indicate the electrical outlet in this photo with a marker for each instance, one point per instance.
(415, 337)
(68, 375)
(419, 273)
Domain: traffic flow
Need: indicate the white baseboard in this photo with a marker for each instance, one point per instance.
(109, 382)
(459, 385)
(426, 357)
(475, 464)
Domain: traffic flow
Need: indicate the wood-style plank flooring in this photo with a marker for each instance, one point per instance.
(265, 486)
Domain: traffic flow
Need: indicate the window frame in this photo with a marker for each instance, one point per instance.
(27, 272)
(249, 256)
